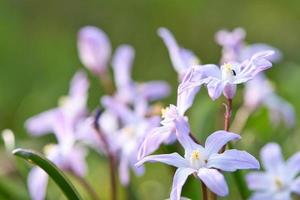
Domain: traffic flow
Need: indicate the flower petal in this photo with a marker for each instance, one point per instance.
(173, 159)
(183, 135)
(94, 48)
(214, 180)
(262, 196)
(124, 170)
(153, 140)
(215, 88)
(76, 160)
(218, 139)
(295, 186)
(37, 183)
(122, 64)
(231, 160)
(179, 179)
(293, 165)
(154, 90)
(41, 123)
(259, 181)
(271, 157)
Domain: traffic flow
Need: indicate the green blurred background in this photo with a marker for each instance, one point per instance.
(38, 57)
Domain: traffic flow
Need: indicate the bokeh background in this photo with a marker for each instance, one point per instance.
(38, 57)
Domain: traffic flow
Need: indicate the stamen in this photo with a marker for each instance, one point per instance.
(195, 155)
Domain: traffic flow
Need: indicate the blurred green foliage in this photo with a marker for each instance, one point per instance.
(38, 57)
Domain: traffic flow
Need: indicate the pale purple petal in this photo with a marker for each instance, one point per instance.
(250, 68)
(183, 135)
(230, 39)
(181, 58)
(259, 181)
(77, 162)
(215, 87)
(218, 139)
(154, 90)
(214, 180)
(37, 183)
(41, 123)
(118, 108)
(154, 139)
(179, 179)
(79, 85)
(271, 157)
(94, 49)
(229, 91)
(231, 160)
(122, 64)
(173, 159)
(124, 173)
(295, 186)
(293, 165)
(252, 49)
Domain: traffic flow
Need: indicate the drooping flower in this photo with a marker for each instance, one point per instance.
(181, 58)
(204, 162)
(94, 49)
(63, 121)
(225, 78)
(128, 138)
(280, 178)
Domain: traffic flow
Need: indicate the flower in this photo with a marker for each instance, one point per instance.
(166, 133)
(204, 162)
(129, 91)
(128, 137)
(182, 59)
(63, 121)
(280, 178)
(260, 92)
(225, 78)
(94, 49)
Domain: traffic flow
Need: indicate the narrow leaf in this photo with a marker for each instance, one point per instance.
(54, 172)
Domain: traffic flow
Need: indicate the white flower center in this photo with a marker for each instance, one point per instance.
(197, 160)
(279, 184)
(228, 72)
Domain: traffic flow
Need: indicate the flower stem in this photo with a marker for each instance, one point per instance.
(110, 155)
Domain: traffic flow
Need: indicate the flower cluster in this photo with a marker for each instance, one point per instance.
(130, 125)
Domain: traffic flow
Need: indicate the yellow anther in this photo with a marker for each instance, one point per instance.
(47, 149)
(227, 66)
(164, 112)
(195, 155)
(278, 183)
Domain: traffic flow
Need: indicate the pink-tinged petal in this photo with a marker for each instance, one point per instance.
(250, 68)
(183, 135)
(248, 51)
(262, 196)
(154, 90)
(179, 179)
(231, 160)
(41, 123)
(229, 39)
(124, 173)
(154, 139)
(77, 162)
(229, 91)
(271, 157)
(295, 186)
(214, 180)
(122, 64)
(37, 183)
(215, 88)
(218, 139)
(259, 181)
(94, 49)
(293, 165)
(173, 159)
(181, 58)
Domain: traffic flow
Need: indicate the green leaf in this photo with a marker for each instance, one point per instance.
(56, 174)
